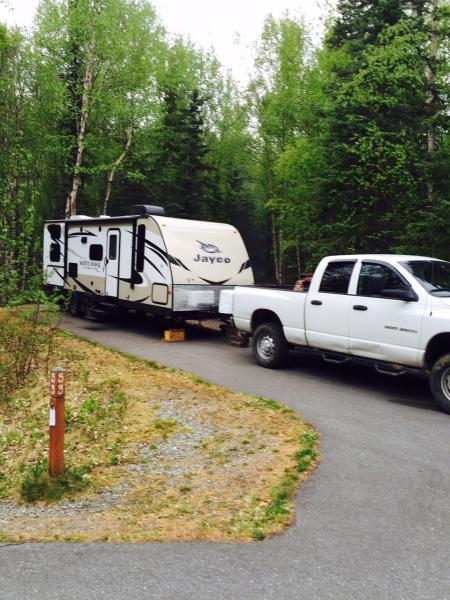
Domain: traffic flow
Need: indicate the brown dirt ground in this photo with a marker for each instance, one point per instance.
(186, 460)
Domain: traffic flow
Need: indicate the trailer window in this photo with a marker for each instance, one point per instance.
(73, 270)
(112, 255)
(55, 252)
(96, 252)
(140, 249)
(54, 231)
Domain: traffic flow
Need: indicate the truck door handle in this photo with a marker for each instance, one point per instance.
(359, 307)
(316, 302)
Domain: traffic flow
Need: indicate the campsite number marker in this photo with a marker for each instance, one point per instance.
(56, 422)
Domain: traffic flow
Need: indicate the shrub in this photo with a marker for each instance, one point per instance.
(26, 335)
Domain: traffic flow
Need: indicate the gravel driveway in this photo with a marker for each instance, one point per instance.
(373, 522)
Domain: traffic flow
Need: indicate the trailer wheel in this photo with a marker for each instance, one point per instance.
(79, 305)
(74, 307)
(270, 348)
(440, 382)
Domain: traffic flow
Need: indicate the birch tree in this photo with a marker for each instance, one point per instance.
(276, 97)
(105, 53)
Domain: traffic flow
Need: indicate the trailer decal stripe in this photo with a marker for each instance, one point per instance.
(214, 282)
(158, 251)
(162, 254)
(177, 261)
(156, 268)
(82, 233)
(83, 287)
(245, 265)
(58, 273)
(166, 255)
(135, 278)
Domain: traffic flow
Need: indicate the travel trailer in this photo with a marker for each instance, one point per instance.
(147, 262)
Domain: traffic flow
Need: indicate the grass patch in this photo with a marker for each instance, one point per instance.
(36, 484)
(153, 453)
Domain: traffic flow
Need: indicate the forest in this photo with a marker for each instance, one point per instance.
(342, 146)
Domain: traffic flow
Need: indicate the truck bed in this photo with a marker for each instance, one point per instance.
(284, 305)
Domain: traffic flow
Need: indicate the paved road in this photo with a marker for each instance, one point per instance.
(373, 522)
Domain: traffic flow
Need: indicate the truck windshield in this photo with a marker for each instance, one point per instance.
(433, 275)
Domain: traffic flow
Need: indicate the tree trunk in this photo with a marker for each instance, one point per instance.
(280, 254)
(298, 258)
(71, 204)
(431, 95)
(113, 171)
(276, 247)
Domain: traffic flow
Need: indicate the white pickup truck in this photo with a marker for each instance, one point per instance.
(392, 311)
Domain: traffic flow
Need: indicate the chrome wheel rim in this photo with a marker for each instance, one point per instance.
(445, 383)
(266, 347)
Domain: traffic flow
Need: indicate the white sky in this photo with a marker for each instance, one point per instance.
(230, 26)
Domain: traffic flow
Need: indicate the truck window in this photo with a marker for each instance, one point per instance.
(433, 275)
(336, 277)
(375, 278)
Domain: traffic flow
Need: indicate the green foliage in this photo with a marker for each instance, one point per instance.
(36, 484)
(341, 148)
(181, 173)
(103, 410)
(26, 335)
(166, 427)
(380, 192)
(278, 100)
(19, 162)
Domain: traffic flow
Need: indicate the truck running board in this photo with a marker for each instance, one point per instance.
(336, 359)
(393, 370)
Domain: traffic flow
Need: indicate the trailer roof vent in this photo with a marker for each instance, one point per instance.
(79, 217)
(147, 209)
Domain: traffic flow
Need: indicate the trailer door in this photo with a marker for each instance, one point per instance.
(112, 263)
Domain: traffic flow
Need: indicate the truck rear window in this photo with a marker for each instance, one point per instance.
(336, 277)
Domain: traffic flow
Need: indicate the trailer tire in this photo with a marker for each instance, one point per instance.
(269, 346)
(74, 306)
(440, 382)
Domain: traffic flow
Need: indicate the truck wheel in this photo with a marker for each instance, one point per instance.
(269, 346)
(440, 382)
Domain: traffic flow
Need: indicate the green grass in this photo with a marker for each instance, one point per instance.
(281, 494)
(165, 427)
(36, 484)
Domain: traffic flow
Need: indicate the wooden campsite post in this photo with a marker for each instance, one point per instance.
(56, 422)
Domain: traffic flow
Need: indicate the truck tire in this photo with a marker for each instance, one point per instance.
(440, 382)
(270, 348)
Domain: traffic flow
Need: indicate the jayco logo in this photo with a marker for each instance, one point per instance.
(210, 249)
